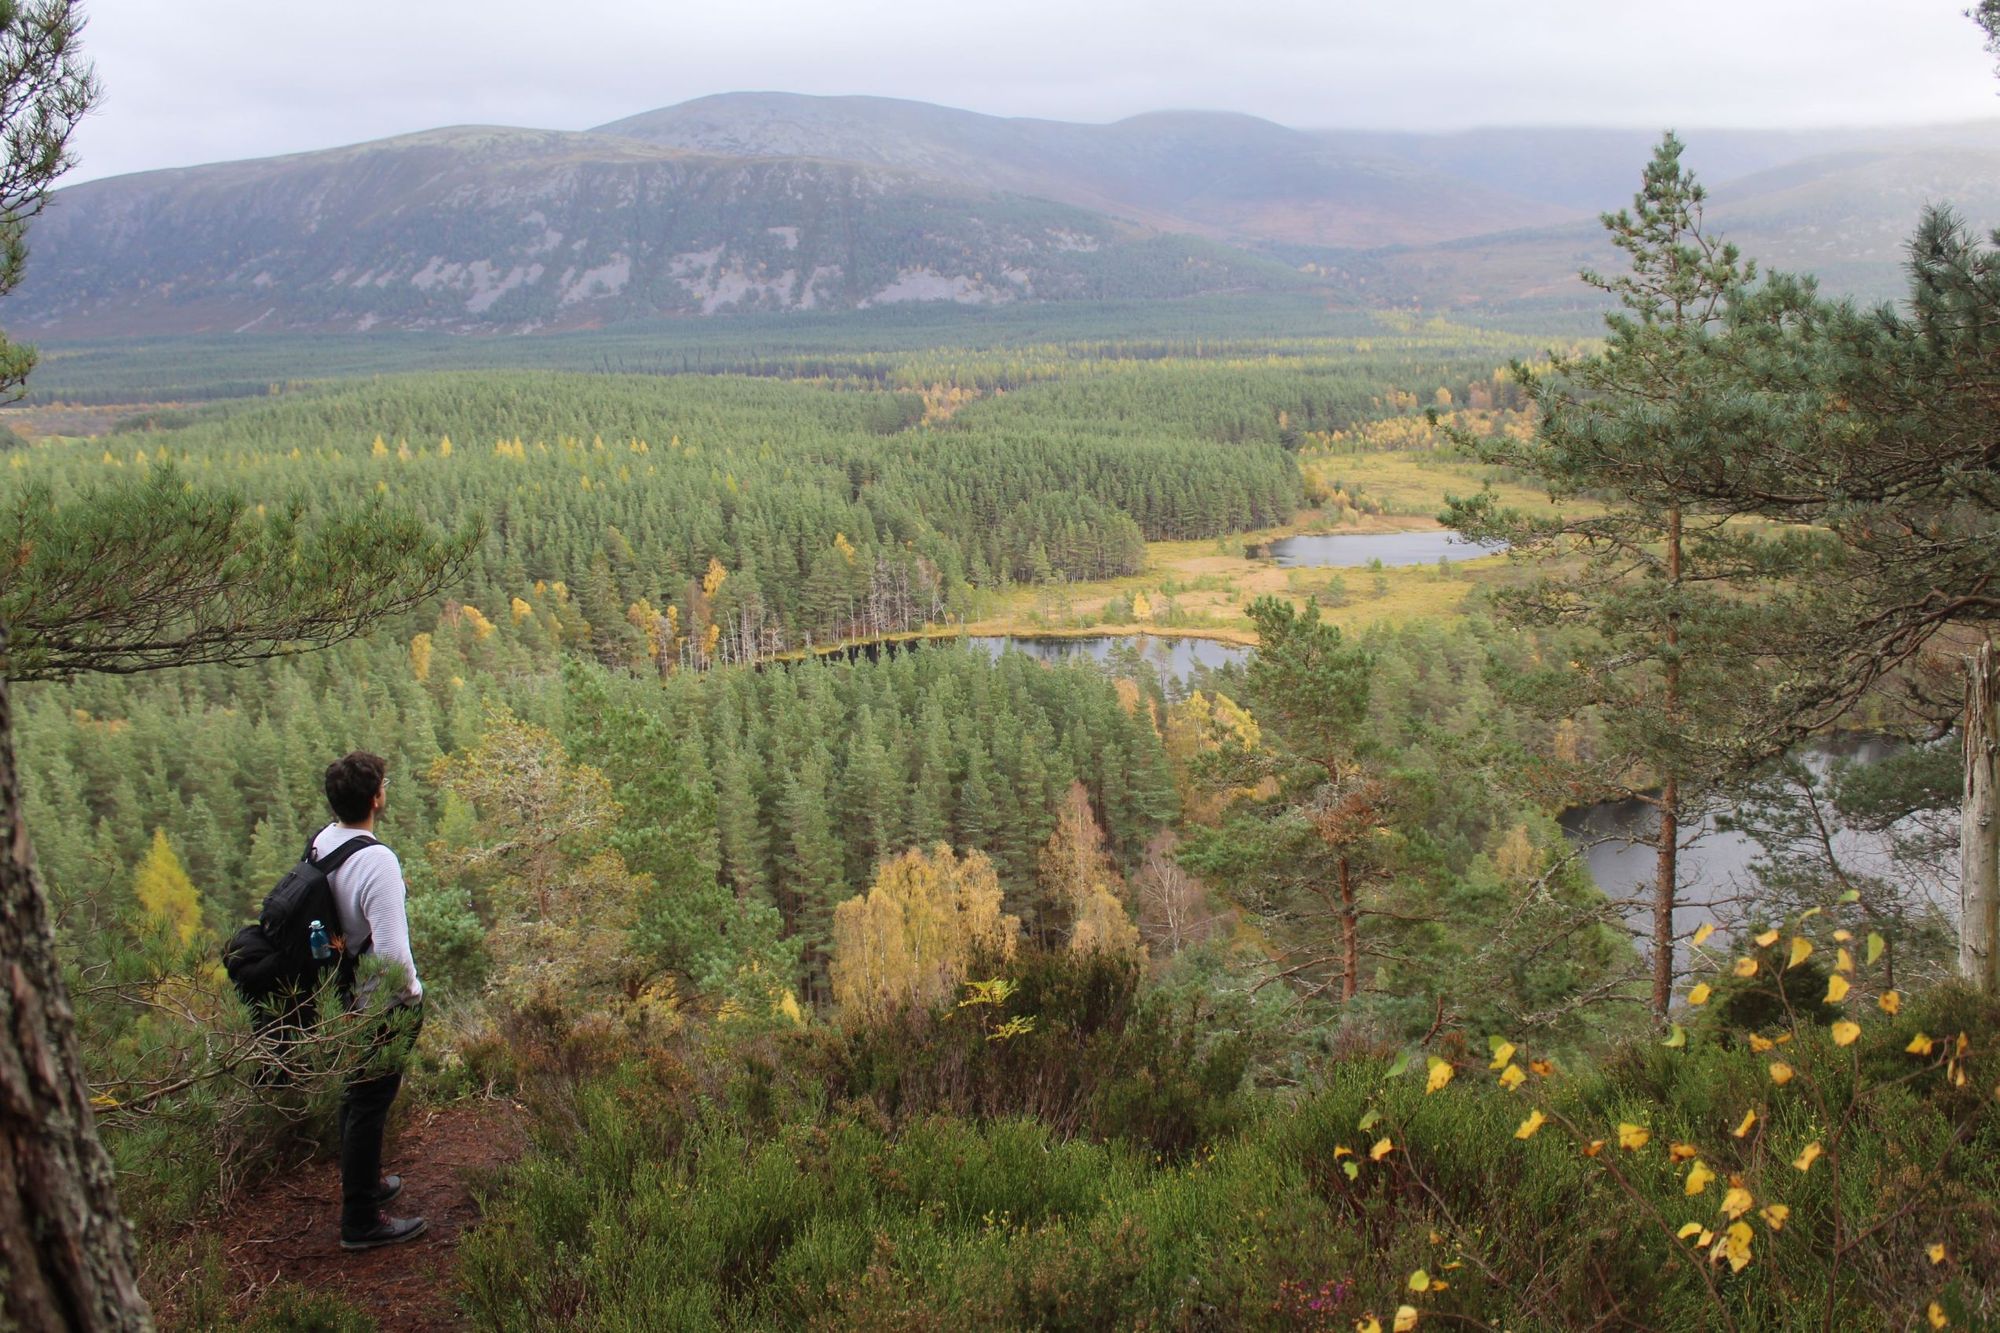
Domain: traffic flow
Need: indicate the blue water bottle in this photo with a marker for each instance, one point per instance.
(322, 949)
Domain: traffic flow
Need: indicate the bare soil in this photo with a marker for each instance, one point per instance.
(288, 1231)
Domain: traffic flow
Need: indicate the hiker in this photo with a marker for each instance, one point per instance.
(368, 894)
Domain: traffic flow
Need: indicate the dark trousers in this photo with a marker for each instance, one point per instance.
(364, 1112)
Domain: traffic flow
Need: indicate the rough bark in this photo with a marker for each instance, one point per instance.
(1665, 883)
(1979, 826)
(67, 1259)
(1667, 877)
(1350, 935)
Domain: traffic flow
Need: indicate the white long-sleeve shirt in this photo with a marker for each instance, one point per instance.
(369, 893)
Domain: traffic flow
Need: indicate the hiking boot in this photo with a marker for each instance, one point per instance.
(386, 1231)
(390, 1187)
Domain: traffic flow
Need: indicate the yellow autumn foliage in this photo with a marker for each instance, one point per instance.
(166, 895)
(908, 940)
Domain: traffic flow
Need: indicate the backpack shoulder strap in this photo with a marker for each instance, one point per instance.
(337, 858)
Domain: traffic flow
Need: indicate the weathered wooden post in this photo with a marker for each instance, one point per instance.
(1979, 826)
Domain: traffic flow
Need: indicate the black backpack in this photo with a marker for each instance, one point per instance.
(271, 959)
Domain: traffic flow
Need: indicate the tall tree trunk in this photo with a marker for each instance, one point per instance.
(1979, 825)
(1666, 880)
(67, 1260)
(1350, 935)
(1663, 895)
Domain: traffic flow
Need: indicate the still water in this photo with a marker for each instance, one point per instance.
(1354, 549)
(1718, 864)
(1173, 657)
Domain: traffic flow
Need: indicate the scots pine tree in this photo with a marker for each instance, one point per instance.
(1648, 578)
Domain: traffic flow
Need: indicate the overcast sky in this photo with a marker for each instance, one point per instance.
(190, 81)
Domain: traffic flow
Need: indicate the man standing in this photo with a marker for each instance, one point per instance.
(369, 893)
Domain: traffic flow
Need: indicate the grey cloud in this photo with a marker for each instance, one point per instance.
(202, 80)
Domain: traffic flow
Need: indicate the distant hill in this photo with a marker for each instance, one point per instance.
(1231, 177)
(1586, 171)
(1843, 216)
(769, 202)
(487, 229)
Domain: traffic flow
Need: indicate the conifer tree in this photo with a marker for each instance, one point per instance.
(1635, 427)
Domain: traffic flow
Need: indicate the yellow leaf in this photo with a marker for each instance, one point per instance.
(1845, 1032)
(104, 1101)
(1541, 1068)
(1801, 950)
(1937, 1316)
(1836, 988)
(1774, 1215)
(1501, 1055)
(1342, 1150)
(1767, 939)
(1702, 932)
(1681, 1152)
(1920, 1045)
(1420, 1281)
(1842, 936)
(1735, 1247)
(1737, 1202)
(1677, 1037)
(1936, 1252)
(1406, 1319)
(1368, 1325)
(1596, 1146)
(1760, 1044)
(1745, 967)
(1699, 995)
(1964, 1045)
(1381, 1149)
(1781, 1073)
(1511, 1077)
(1749, 1119)
(1691, 1229)
(1441, 1072)
(1698, 1177)
(1807, 1156)
(1876, 944)
(1633, 1137)
(1843, 961)
(1530, 1125)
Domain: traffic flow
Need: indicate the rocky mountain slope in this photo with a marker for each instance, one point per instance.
(1232, 177)
(521, 230)
(774, 202)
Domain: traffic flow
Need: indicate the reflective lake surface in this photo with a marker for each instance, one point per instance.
(1717, 865)
(1353, 549)
(1173, 657)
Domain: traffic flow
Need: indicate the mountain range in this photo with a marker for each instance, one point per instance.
(772, 202)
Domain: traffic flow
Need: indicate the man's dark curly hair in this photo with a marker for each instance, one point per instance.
(351, 783)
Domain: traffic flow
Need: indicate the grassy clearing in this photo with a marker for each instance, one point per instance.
(1199, 588)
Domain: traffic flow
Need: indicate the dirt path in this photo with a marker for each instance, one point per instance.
(288, 1231)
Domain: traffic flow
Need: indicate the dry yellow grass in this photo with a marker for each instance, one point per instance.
(1200, 588)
